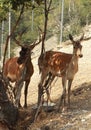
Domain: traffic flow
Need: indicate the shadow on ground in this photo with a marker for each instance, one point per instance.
(78, 117)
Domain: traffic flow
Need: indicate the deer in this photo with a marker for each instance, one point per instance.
(60, 64)
(20, 69)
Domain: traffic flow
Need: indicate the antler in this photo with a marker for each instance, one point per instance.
(82, 37)
(34, 43)
(20, 35)
(17, 42)
(40, 39)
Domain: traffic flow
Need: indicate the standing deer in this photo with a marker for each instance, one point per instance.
(62, 65)
(20, 69)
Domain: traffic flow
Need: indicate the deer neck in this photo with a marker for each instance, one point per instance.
(73, 65)
(75, 58)
(27, 61)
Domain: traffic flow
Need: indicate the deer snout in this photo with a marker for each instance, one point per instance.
(81, 55)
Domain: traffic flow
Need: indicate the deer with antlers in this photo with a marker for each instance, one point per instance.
(62, 65)
(20, 69)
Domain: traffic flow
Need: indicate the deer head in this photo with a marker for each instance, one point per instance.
(77, 47)
(26, 50)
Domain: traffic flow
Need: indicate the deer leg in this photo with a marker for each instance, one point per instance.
(18, 87)
(40, 92)
(41, 87)
(18, 93)
(26, 92)
(49, 87)
(63, 96)
(14, 90)
(15, 93)
(69, 90)
(48, 96)
(46, 86)
(64, 90)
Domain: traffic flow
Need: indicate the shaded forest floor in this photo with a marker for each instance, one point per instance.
(77, 118)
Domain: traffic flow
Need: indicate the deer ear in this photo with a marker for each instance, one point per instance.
(70, 37)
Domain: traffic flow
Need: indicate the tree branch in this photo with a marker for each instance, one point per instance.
(12, 31)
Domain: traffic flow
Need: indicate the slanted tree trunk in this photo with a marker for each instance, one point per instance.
(8, 112)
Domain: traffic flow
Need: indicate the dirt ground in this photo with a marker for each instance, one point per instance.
(79, 116)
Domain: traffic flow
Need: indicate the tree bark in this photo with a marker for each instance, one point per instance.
(8, 112)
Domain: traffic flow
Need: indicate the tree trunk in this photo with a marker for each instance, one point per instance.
(8, 112)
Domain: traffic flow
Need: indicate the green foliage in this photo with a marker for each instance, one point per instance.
(77, 13)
